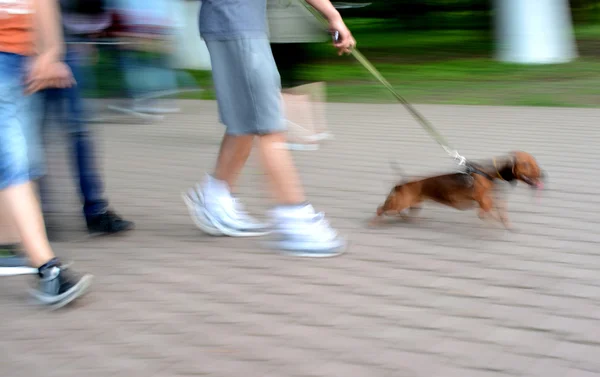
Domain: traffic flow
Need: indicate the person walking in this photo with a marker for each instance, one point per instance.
(26, 68)
(248, 90)
(100, 219)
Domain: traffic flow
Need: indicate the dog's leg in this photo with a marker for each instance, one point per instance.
(394, 204)
(501, 209)
(381, 212)
(486, 206)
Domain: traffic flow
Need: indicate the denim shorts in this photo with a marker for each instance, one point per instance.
(21, 155)
(247, 85)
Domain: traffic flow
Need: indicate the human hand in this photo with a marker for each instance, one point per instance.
(47, 72)
(343, 41)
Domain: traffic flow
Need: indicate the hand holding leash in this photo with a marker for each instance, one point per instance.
(343, 40)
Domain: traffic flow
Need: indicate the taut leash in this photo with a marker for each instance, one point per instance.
(439, 138)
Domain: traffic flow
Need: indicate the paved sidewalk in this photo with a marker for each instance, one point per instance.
(448, 297)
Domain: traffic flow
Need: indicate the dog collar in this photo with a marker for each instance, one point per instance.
(501, 173)
(474, 169)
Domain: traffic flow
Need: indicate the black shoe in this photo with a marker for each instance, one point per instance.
(108, 223)
(58, 286)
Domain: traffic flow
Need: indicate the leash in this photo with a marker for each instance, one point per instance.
(439, 138)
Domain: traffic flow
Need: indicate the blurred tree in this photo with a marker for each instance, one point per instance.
(430, 14)
(585, 11)
(454, 14)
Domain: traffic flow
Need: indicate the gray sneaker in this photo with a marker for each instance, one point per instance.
(58, 286)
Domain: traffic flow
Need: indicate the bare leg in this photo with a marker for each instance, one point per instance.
(280, 168)
(8, 232)
(233, 155)
(21, 204)
(301, 231)
(277, 162)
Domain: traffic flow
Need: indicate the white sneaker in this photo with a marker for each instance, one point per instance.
(304, 233)
(222, 215)
(195, 206)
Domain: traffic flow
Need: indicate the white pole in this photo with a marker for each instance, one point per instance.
(191, 51)
(534, 31)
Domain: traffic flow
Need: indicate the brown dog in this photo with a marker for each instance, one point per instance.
(465, 190)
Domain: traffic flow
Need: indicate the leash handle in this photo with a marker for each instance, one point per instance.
(335, 35)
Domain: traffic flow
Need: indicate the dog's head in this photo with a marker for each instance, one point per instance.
(526, 169)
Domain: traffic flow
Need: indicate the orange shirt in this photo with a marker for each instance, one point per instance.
(16, 27)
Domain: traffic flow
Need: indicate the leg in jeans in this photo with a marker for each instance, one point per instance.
(19, 165)
(248, 88)
(98, 217)
(82, 148)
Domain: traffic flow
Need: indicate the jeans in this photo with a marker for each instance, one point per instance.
(21, 155)
(70, 106)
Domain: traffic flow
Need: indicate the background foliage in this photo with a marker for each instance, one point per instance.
(437, 51)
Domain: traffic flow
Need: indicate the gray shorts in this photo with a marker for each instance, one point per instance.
(248, 86)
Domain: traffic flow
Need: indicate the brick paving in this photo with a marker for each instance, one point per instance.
(449, 296)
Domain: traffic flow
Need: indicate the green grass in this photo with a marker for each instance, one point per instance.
(456, 67)
(446, 67)
(467, 81)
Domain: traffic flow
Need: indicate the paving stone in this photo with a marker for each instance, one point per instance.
(448, 296)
